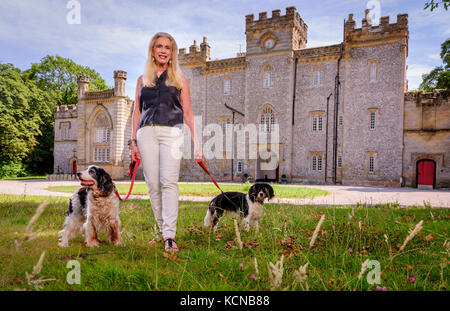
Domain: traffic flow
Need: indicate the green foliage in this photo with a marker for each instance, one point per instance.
(12, 169)
(23, 110)
(58, 76)
(434, 5)
(439, 77)
(27, 100)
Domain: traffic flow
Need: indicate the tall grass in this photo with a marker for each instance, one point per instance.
(213, 261)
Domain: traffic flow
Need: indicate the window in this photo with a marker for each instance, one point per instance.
(339, 162)
(373, 72)
(318, 77)
(102, 135)
(371, 165)
(227, 86)
(317, 121)
(372, 121)
(269, 77)
(341, 120)
(239, 167)
(267, 119)
(102, 139)
(65, 128)
(101, 154)
(341, 74)
(226, 125)
(317, 162)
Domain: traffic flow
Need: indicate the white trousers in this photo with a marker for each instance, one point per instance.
(160, 148)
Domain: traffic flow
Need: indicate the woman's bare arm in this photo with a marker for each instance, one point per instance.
(188, 116)
(136, 110)
(134, 152)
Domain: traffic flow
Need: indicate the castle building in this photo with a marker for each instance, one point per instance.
(343, 111)
(95, 131)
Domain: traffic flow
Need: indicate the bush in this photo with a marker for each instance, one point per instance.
(12, 169)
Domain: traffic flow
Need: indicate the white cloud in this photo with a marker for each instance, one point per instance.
(414, 74)
(434, 56)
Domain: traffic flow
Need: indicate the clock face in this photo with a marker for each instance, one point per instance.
(269, 43)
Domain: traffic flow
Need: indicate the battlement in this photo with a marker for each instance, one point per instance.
(426, 98)
(383, 31)
(83, 79)
(197, 55)
(66, 111)
(99, 94)
(120, 74)
(291, 17)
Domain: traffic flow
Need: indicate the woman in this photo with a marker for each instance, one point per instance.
(162, 104)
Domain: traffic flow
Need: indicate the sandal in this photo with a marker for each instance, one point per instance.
(156, 239)
(170, 245)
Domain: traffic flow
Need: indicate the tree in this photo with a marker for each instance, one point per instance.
(434, 5)
(439, 77)
(58, 77)
(24, 108)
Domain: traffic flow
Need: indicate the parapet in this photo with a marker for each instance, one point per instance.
(291, 17)
(65, 111)
(120, 74)
(368, 32)
(437, 96)
(197, 55)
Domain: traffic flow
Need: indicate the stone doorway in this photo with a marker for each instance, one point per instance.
(426, 174)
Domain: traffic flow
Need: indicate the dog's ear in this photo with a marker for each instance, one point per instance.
(253, 192)
(105, 182)
(270, 190)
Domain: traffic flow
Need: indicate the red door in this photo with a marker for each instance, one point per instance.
(425, 173)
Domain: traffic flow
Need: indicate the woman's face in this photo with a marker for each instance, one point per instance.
(162, 50)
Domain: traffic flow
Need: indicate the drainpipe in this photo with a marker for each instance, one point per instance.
(336, 113)
(295, 83)
(326, 140)
(293, 113)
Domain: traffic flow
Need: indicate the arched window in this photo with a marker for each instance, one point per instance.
(267, 119)
(268, 75)
(102, 139)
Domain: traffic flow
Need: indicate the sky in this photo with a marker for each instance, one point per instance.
(114, 35)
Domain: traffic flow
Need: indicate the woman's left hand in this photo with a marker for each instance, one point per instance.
(198, 154)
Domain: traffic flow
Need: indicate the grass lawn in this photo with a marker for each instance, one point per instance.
(213, 261)
(24, 177)
(209, 190)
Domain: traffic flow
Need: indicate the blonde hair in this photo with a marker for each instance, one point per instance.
(173, 71)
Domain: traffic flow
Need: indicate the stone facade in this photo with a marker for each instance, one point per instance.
(343, 111)
(427, 135)
(100, 126)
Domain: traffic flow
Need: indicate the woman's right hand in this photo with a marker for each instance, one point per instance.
(134, 153)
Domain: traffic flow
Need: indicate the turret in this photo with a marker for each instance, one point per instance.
(83, 85)
(120, 77)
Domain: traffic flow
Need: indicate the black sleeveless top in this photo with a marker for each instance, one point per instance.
(160, 104)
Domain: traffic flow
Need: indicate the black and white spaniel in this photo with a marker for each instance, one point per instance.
(248, 206)
(92, 208)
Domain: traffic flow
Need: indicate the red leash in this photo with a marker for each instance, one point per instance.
(132, 168)
(200, 162)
